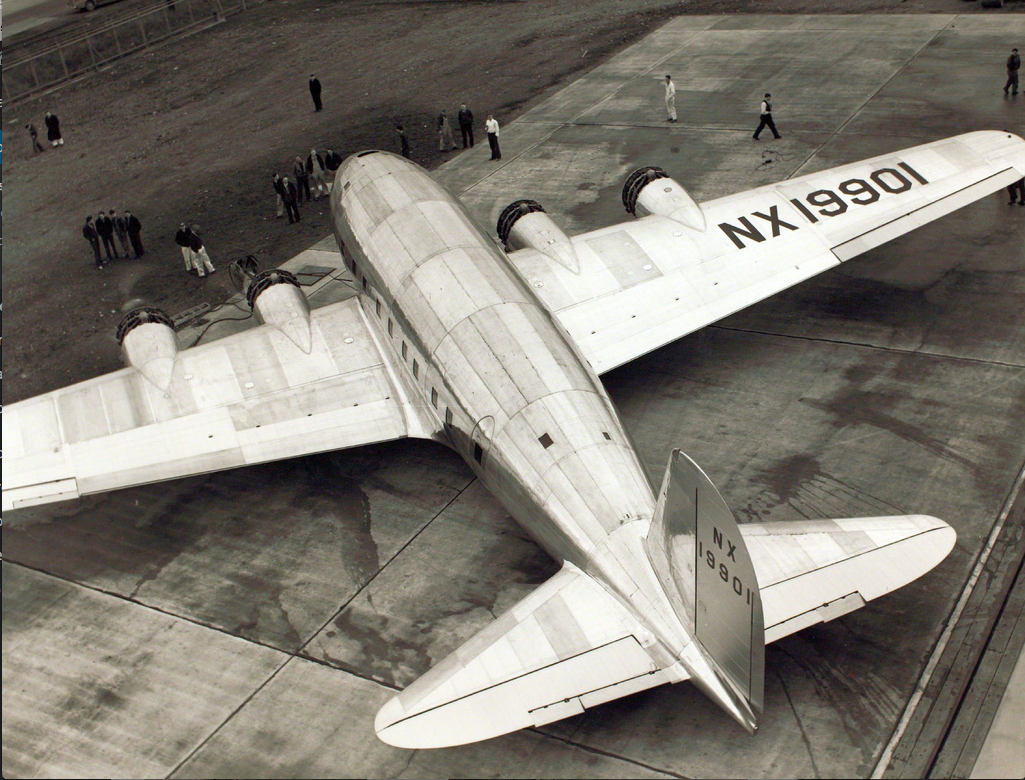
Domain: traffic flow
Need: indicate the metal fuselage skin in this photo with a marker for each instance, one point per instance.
(503, 379)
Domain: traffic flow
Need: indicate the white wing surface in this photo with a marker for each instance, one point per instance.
(644, 283)
(248, 398)
(815, 571)
(566, 647)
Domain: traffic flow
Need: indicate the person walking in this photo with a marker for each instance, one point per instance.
(120, 230)
(1013, 66)
(766, 118)
(302, 179)
(315, 93)
(89, 234)
(315, 168)
(670, 99)
(105, 227)
(403, 141)
(34, 135)
(53, 129)
(199, 255)
(183, 238)
(446, 142)
(491, 125)
(134, 227)
(291, 197)
(280, 202)
(466, 124)
(1016, 190)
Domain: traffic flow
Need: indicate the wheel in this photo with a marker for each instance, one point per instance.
(90, 5)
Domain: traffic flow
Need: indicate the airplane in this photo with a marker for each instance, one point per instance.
(498, 354)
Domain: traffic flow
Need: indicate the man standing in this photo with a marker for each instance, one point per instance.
(445, 141)
(315, 93)
(89, 234)
(53, 129)
(290, 195)
(199, 255)
(183, 238)
(105, 227)
(275, 182)
(134, 233)
(766, 118)
(315, 168)
(302, 179)
(466, 124)
(121, 229)
(491, 125)
(34, 134)
(1013, 66)
(670, 98)
(403, 141)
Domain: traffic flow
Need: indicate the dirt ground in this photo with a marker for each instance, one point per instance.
(194, 130)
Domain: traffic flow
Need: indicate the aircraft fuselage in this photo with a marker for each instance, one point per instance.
(489, 361)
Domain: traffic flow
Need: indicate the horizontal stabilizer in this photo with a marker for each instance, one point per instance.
(566, 647)
(817, 570)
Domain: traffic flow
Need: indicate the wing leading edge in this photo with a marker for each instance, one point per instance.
(248, 398)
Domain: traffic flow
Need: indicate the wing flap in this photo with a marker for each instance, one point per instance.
(247, 398)
(566, 647)
(812, 572)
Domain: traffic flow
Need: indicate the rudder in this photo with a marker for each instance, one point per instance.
(705, 569)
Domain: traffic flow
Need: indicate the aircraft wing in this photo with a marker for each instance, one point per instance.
(243, 399)
(567, 646)
(814, 571)
(644, 283)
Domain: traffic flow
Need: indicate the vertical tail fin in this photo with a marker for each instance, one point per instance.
(704, 567)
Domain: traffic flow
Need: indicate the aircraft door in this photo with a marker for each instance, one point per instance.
(480, 441)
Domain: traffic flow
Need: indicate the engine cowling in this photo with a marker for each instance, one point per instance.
(655, 192)
(149, 344)
(277, 299)
(524, 224)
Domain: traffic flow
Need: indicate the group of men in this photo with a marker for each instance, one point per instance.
(53, 133)
(446, 141)
(309, 180)
(127, 228)
(193, 252)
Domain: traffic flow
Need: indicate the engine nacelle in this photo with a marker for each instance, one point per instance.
(664, 197)
(525, 225)
(277, 299)
(149, 344)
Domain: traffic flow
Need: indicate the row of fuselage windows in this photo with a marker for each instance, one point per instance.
(545, 440)
(404, 348)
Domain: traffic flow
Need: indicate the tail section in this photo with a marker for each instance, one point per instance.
(703, 564)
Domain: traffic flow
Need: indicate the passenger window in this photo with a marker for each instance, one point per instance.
(364, 284)
(434, 398)
(390, 329)
(416, 369)
(448, 416)
(378, 308)
(405, 352)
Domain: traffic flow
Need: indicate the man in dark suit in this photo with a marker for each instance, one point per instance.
(315, 92)
(105, 227)
(134, 233)
(89, 234)
(466, 124)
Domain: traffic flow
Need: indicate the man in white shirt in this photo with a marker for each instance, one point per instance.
(766, 117)
(670, 99)
(491, 125)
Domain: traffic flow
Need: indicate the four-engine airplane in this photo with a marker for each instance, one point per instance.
(497, 354)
